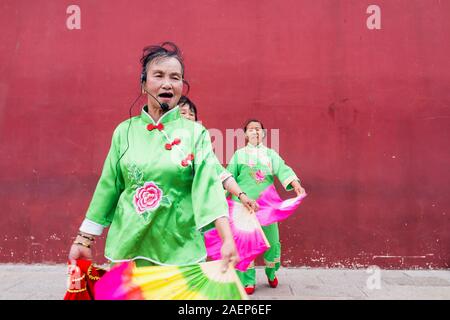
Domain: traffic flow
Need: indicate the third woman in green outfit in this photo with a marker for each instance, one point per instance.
(255, 167)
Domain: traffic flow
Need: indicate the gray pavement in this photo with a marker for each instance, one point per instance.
(48, 282)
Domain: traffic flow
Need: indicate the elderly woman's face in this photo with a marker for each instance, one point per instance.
(186, 112)
(254, 133)
(164, 81)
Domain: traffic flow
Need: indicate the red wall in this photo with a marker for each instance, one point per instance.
(364, 115)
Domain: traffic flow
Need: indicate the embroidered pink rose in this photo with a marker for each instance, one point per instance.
(259, 176)
(147, 197)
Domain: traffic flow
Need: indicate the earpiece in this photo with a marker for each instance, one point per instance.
(143, 76)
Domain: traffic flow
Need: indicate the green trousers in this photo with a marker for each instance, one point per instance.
(271, 257)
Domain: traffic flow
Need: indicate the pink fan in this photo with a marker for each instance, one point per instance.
(249, 237)
(273, 209)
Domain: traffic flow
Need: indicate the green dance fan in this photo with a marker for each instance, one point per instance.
(201, 281)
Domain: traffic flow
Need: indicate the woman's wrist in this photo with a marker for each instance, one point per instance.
(84, 239)
(83, 243)
(86, 235)
(296, 183)
(228, 240)
(241, 194)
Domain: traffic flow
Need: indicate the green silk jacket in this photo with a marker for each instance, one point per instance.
(162, 194)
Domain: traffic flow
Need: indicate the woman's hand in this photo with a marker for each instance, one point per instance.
(78, 251)
(299, 190)
(232, 187)
(250, 204)
(229, 254)
(228, 250)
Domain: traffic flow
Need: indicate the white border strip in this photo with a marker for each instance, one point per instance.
(225, 215)
(91, 227)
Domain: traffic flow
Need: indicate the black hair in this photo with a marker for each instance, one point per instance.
(164, 50)
(252, 120)
(192, 107)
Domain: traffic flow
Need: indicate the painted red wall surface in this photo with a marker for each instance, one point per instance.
(364, 115)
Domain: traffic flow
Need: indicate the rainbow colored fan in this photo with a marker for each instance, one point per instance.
(273, 209)
(201, 281)
(248, 236)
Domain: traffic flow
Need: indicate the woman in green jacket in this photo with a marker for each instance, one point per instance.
(158, 190)
(255, 167)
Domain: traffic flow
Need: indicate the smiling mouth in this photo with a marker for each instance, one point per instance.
(166, 95)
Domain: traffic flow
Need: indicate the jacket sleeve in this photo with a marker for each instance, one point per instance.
(283, 172)
(101, 209)
(233, 167)
(208, 197)
(223, 173)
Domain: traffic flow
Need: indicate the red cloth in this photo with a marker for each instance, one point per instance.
(82, 279)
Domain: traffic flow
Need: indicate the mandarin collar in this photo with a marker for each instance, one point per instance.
(171, 115)
(259, 146)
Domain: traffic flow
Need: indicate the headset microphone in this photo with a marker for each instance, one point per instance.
(164, 106)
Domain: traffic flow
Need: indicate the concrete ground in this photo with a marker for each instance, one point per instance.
(48, 282)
